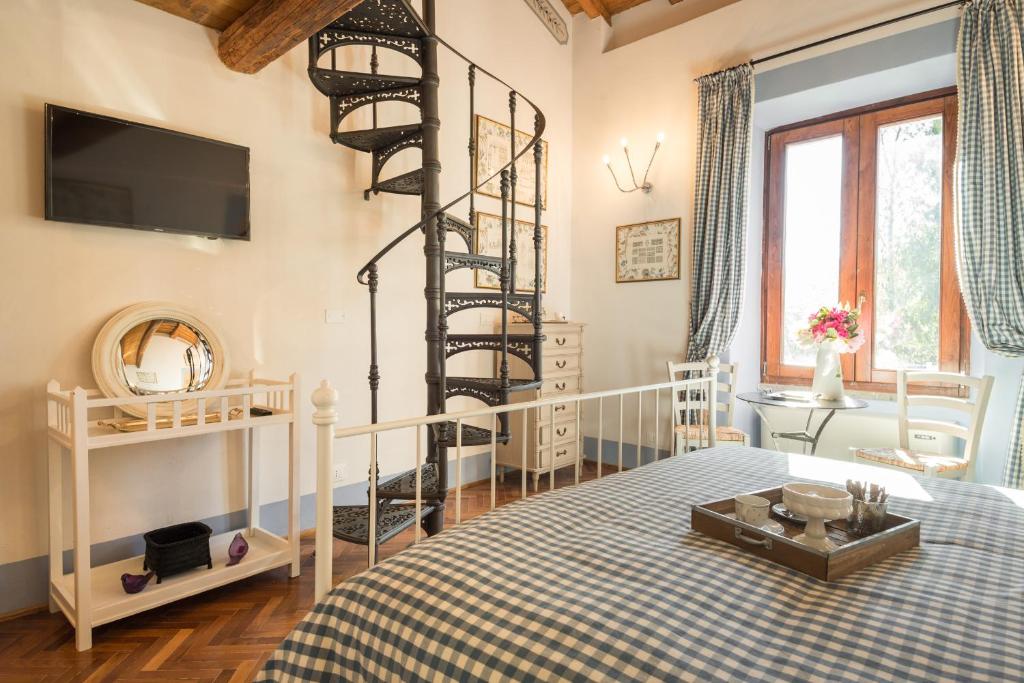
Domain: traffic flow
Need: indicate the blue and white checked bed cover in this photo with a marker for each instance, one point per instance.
(606, 581)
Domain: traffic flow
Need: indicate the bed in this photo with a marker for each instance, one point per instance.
(606, 581)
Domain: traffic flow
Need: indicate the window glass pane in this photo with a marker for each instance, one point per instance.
(813, 216)
(908, 238)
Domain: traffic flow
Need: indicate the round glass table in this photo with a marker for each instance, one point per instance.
(794, 400)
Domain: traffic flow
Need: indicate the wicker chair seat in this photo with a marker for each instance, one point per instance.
(700, 433)
(919, 462)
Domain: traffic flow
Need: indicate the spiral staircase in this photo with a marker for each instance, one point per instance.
(395, 25)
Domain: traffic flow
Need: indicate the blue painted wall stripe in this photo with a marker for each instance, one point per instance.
(25, 583)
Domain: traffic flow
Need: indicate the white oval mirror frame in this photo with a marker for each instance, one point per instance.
(107, 358)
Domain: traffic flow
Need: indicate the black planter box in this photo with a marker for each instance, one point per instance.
(176, 549)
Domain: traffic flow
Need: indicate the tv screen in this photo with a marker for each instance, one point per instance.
(105, 171)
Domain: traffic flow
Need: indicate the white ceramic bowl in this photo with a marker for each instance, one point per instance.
(817, 501)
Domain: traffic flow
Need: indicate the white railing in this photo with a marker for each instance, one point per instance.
(700, 399)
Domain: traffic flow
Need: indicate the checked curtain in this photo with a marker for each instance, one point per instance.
(990, 187)
(720, 209)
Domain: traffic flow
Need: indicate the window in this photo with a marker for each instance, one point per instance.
(858, 206)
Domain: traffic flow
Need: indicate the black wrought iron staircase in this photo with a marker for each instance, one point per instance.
(394, 25)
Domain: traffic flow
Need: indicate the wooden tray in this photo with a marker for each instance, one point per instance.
(718, 519)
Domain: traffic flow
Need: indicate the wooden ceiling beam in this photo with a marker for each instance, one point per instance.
(271, 28)
(215, 14)
(595, 8)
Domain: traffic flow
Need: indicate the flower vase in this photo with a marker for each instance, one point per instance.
(828, 373)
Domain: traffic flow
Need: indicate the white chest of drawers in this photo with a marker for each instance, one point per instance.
(553, 433)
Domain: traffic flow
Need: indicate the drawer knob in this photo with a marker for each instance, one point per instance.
(560, 364)
(560, 341)
(559, 409)
(561, 431)
(560, 386)
(561, 453)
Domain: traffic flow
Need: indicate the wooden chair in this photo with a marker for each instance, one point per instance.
(931, 464)
(726, 405)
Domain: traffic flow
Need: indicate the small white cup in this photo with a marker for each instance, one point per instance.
(752, 509)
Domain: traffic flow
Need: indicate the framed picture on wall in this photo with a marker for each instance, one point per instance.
(488, 243)
(493, 151)
(645, 252)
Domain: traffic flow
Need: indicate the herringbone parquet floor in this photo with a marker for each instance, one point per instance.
(221, 635)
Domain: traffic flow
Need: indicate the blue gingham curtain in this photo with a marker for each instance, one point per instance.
(720, 209)
(990, 187)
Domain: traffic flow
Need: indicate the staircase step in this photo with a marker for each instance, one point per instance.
(463, 229)
(352, 522)
(520, 345)
(454, 260)
(407, 183)
(403, 486)
(463, 301)
(382, 17)
(348, 83)
(375, 138)
(486, 389)
(329, 38)
(471, 436)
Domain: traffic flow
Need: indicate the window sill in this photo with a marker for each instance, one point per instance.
(869, 391)
(850, 388)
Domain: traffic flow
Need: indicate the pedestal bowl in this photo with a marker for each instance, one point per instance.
(818, 504)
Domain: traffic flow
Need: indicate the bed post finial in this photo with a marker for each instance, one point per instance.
(325, 398)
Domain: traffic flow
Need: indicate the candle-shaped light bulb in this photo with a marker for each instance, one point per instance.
(606, 160)
(661, 137)
(624, 142)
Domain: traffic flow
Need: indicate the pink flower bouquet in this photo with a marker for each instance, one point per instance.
(838, 324)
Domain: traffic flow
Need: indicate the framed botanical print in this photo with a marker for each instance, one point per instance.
(488, 243)
(493, 151)
(645, 252)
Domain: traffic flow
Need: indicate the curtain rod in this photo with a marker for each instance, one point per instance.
(865, 29)
(854, 32)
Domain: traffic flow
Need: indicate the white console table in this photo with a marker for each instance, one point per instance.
(80, 422)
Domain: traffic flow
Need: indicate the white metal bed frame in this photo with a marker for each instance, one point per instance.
(325, 399)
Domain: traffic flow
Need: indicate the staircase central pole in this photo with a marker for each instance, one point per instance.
(431, 203)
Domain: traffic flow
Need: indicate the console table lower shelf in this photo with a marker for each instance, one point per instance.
(110, 603)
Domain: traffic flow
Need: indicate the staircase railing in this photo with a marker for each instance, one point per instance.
(369, 274)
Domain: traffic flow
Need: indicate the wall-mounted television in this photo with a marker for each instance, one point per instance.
(106, 171)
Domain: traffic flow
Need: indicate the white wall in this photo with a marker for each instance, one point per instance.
(311, 232)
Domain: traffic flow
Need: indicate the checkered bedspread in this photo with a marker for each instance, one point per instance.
(606, 581)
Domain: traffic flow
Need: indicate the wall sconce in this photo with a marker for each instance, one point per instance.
(643, 185)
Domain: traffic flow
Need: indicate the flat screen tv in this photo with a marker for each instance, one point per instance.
(105, 171)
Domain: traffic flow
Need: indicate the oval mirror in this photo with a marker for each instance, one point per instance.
(157, 348)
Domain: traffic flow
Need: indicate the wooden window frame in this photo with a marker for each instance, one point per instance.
(859, 130)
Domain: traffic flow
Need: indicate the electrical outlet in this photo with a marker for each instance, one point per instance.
(334, 316)
(339, 472)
